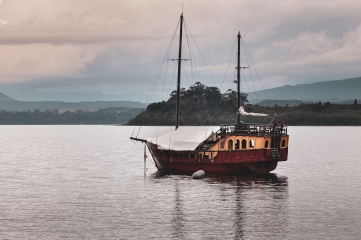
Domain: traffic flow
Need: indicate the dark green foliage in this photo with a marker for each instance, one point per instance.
(202, 105)
(112, 115)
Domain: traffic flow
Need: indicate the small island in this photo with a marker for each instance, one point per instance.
(202, 105)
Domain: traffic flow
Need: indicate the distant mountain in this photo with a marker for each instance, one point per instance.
(5, 98)
(328, 91)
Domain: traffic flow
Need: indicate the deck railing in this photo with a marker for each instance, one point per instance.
(254, 128)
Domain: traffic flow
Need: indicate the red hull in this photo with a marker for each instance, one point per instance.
(233, 162)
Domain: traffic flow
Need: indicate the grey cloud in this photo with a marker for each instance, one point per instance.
(117, 46)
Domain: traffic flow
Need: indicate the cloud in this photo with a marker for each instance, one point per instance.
(113, 45)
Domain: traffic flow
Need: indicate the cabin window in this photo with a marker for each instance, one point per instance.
(193, 155)
(251, 143)
(222, 145)
(230, 145)
(283, 143)
(244, 144)
(237, 144)
(266, 144)
(206, 156)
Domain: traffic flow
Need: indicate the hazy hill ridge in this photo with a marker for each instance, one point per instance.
(327, 91)
(9, 104)
(5, 98)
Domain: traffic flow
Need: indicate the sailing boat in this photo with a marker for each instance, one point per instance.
(232, 149)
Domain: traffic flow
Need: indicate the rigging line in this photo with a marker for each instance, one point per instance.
(192, 70)
(157, 135)
(138, 131)
(150, 95)
(165, 76)
(201, 54)
(166, 55)
(235, 73)
(246, 83)
(195, 64)
(185, 73)
(151, 160)
(254, 88)
(234, 46)
(132, 132)
(250, 73)
(154, 131)
(244, 45)
(204, 100)
(205, 104)
(190, 55)
(175, 68)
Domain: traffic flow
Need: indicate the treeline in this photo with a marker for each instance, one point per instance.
(202, 105)
(199, 105)
(50, 105)
(111, 115)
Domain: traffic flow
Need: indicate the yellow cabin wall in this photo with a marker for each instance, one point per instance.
(258, 142)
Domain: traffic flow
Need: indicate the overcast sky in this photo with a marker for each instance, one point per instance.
(93, 50)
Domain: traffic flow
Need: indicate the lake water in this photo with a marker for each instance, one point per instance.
(88, 182)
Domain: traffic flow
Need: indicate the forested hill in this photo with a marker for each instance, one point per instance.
(328, 91)
(202, 105)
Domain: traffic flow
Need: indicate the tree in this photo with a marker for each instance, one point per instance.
(232, 96)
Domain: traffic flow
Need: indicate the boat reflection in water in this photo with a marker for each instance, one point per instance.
(252, 206)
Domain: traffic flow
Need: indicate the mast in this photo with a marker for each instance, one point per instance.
(179, 72)
(238, 75)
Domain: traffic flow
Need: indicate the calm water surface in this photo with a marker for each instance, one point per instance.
(88, 182)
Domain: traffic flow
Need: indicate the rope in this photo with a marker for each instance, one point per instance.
(150, 95)
(229, 61)
(200, 53)
(250, 73)
(161, 67)
(185, 73)
(190, 54)
(165, 76)
(244, 45)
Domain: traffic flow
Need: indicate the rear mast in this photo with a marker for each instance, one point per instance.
(238, 77)
(179, 72)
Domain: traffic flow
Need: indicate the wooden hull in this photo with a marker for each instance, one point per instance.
(225, 162)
